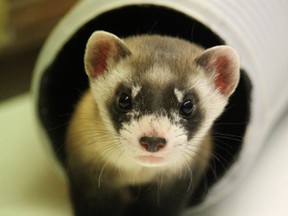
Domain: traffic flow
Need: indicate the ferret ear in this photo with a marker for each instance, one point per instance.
(222, 64)
(103, 51)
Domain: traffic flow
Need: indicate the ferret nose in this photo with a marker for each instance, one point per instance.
(152, 144)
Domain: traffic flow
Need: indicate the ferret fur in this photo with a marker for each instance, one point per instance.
(111, 171)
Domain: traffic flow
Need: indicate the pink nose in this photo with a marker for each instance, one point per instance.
(152, 144)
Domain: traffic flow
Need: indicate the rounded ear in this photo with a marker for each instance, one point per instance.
(223, 65)
(103, 51)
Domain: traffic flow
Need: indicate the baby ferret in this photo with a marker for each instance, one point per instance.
(140, 137)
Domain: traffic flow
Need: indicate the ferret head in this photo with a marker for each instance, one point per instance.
(158, 96)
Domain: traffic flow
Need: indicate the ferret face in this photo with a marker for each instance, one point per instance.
(155, 122)
(156, 97)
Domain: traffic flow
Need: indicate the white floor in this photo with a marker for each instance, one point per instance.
(30, 184)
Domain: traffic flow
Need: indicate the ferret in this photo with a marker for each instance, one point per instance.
(140, 138)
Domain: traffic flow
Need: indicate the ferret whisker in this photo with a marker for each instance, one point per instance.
(101, 173)
(189, 172)
(221, 160)
(161, 179)
(230, 123)
(227, 135)
(224, 147)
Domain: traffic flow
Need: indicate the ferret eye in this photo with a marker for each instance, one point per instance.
(125, 102)
(187, 108)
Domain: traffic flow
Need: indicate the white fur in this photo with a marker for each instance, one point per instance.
(135, 90)
(155, 126)
(179, 95)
